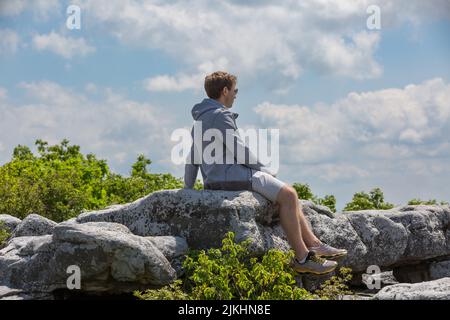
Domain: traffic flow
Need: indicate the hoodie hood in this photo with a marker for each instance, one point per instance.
(207, 105)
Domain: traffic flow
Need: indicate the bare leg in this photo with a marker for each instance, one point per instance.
(308, 236)
(289, 218)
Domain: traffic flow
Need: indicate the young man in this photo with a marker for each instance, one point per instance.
(245, 172)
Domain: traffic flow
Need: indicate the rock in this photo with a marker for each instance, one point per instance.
(171, 247)
(425, 271)
(34, 225)
(312, 282)
(318, 208)
(15, 294)
(439, 269)
(6, 292)
(111, 259)
(430, 290)
(9, 222)
(384, 279)
(412, 273)
(202, 218)
(386, 238)
(141, 244)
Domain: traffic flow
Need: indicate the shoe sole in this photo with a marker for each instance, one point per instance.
(339, 255)
(315, 272)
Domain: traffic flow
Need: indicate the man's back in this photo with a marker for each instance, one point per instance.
(220, 170)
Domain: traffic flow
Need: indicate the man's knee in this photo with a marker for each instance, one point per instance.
(287, 193)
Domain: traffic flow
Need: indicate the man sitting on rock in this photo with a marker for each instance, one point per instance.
(214, 113)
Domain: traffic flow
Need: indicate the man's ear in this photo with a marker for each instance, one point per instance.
(225, 90)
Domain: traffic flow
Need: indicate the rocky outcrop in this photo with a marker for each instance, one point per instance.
(202, 218)
(34, 225)
(386, 238)
(9, 222)
(110, 259)
(431, 290)
(141, 244)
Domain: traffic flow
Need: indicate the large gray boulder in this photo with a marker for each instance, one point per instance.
(110, 258)
(427, 270)
(34, 225)
(440, 269)
(142, 244)
(9, 222)
(430, 290)
(201, 217)
(386, 238)
(171, 247)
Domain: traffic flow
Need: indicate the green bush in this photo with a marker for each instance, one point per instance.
(304, 192)
(4, 234)
(230, 273)
(364, 201)
(429, 202)
(60, 182)
(336, 286)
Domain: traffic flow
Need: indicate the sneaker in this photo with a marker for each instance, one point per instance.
(327, 251)
(313, 264)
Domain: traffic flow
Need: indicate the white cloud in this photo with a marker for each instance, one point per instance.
(3, 93)
(413, 114)
(40, 8)
(362, 129)
(11, 8)
(169, 83)
(90, 87)
(64, 46)
(9, 41)
(185, 81)
(111, 126)
(282, 38)
(330, 172)
(253, 39)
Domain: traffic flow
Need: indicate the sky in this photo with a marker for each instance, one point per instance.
(356, 107)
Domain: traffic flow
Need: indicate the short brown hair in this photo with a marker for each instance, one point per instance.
(216, 81)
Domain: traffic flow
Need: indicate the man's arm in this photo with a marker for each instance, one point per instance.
(190, 170)
(224, 122)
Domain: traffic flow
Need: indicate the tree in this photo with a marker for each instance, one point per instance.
(61, 182)
(429, 202)
(139, 168)
(363, 201)
(304, 192)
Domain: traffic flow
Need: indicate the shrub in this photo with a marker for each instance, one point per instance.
(230, 273)
(336, 287)
(60, 182)
(4, 234)
(429, 202)
(364, 201)
(304, 192)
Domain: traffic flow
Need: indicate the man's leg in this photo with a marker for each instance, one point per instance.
(308, 236)
(313, 243)
(288, 210)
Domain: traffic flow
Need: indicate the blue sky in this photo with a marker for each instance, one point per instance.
(356, 108)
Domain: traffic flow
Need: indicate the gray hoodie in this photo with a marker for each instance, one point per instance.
(225, 176)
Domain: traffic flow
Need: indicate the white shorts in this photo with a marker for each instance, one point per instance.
(266, 185)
